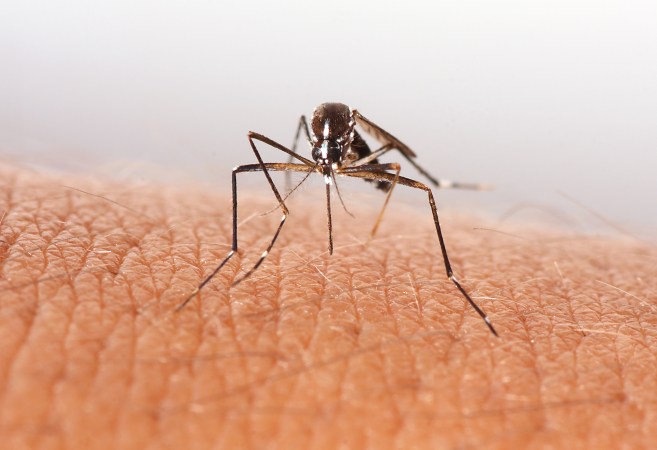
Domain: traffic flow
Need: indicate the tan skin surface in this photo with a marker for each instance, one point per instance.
(369, 348)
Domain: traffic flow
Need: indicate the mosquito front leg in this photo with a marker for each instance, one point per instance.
(264, 167)
(206, 280)
(385, 176)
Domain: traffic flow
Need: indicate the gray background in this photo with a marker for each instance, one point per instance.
(538, 98)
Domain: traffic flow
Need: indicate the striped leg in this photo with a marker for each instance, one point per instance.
(306, 167)
(247, 168)
(395, 178)
(376, 168)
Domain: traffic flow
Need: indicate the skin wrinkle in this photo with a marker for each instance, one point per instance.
(305, 345)
(105, 336)
(168, 235)
(338, 320)
(586, 347)
(447, 303)
(54, 332)
(19, 355)
(195, 363)
(415, 379)
(271, 335)
(397, 390)
(64, 320)
(299, 370)
(123, 267)
(373, 328)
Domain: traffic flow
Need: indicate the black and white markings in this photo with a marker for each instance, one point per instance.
(338, 149)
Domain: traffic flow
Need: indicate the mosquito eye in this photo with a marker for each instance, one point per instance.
(317, 153)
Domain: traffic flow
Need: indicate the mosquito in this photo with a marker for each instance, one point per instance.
(339, 149)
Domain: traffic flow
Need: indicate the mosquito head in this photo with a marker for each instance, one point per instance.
(327, 153)
(332, 126)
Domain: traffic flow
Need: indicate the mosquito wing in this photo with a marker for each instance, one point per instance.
(382, 135)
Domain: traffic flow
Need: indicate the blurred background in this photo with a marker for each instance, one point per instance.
(553, 102)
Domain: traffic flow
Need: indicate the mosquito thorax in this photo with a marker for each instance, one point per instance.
(332, 121)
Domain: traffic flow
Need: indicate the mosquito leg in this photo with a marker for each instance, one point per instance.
(442, 184)
(276, 145)
(376, 168)
(261, 167)
(265, 167)
(328, 215)
(262, 138)
(396, 167)
(288, 167)
(206, 280)
(395, 144)
(385, 176)
(309, 172)
(446, 184)
(303, 125)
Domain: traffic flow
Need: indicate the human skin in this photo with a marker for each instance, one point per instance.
(371, 347)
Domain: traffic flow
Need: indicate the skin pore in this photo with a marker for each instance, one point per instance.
(372, 347)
